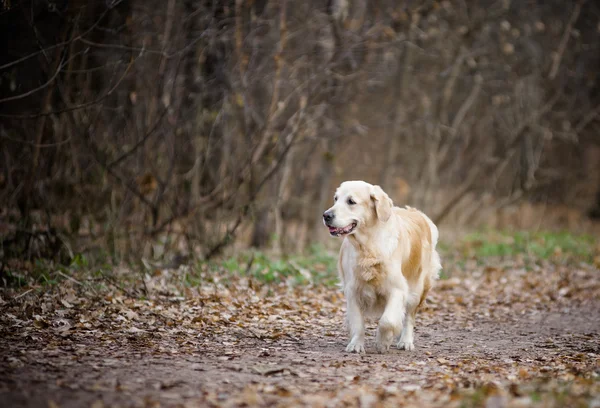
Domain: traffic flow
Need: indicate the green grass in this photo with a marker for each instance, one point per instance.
(13, 279)
(317, 265)
(556, 246)
(44, 274)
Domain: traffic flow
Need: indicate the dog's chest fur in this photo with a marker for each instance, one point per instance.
(370, 290)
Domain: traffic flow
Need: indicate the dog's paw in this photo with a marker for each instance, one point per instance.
(385, 335)
(384, 341)
(406, 345)
(356, 345)
(382, 348)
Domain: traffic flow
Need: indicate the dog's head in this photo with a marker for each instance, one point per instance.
(358, 205)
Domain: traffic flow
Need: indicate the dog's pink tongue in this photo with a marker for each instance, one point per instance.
(332, 229)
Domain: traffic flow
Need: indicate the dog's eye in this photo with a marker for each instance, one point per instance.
(334, 199)
(351, 201)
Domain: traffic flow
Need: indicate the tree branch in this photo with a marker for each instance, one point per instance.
(557, 57)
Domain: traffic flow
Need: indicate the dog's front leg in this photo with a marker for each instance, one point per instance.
(390, 323)
(356, 324)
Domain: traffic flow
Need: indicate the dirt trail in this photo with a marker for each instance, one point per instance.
(486, 332)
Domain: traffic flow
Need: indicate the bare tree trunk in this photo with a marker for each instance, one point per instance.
(283, 188)
(261, 230)
(27, 196)
(593, 167)
(594, 212)
(399, 118)
(282, 193)
(324, 179)
(260, 233)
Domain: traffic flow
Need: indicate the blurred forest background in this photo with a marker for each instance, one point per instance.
(151, 127)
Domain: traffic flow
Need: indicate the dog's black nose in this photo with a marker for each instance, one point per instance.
(327, 216)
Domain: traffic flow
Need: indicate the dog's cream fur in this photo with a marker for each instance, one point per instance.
(387, 262)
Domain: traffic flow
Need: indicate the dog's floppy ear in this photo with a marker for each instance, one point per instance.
(383, 203)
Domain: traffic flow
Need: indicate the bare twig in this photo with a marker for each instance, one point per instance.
(142, 140)
(74, 107)
(58, 45)
(593, 114)
(69, 278)
(3, 135)
(475, 174)
(39, 88)
(228, 236)
(457, 197)
(464, 108)
(22, 294)
(459, 117)
(562, 46)
(451, 83)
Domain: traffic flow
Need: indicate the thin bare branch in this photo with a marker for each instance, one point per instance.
(562, 46)
(39, 88)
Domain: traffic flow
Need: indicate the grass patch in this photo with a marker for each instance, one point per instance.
(317, 265)
(45, 274)
(13, 279)
(555, 246)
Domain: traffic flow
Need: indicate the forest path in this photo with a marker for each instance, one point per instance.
(501, 334)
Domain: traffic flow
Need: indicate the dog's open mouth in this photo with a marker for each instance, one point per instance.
(336, 232)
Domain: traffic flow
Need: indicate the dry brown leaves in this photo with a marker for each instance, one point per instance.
(490, 335)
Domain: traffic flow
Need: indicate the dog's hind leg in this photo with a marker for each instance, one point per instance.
(406, 341)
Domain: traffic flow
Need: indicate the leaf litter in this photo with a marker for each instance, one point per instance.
(507, 334)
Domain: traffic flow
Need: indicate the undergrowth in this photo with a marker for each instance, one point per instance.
(317, 265)
(562, 247)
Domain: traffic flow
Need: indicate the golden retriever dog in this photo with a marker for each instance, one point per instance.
(387, 262)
